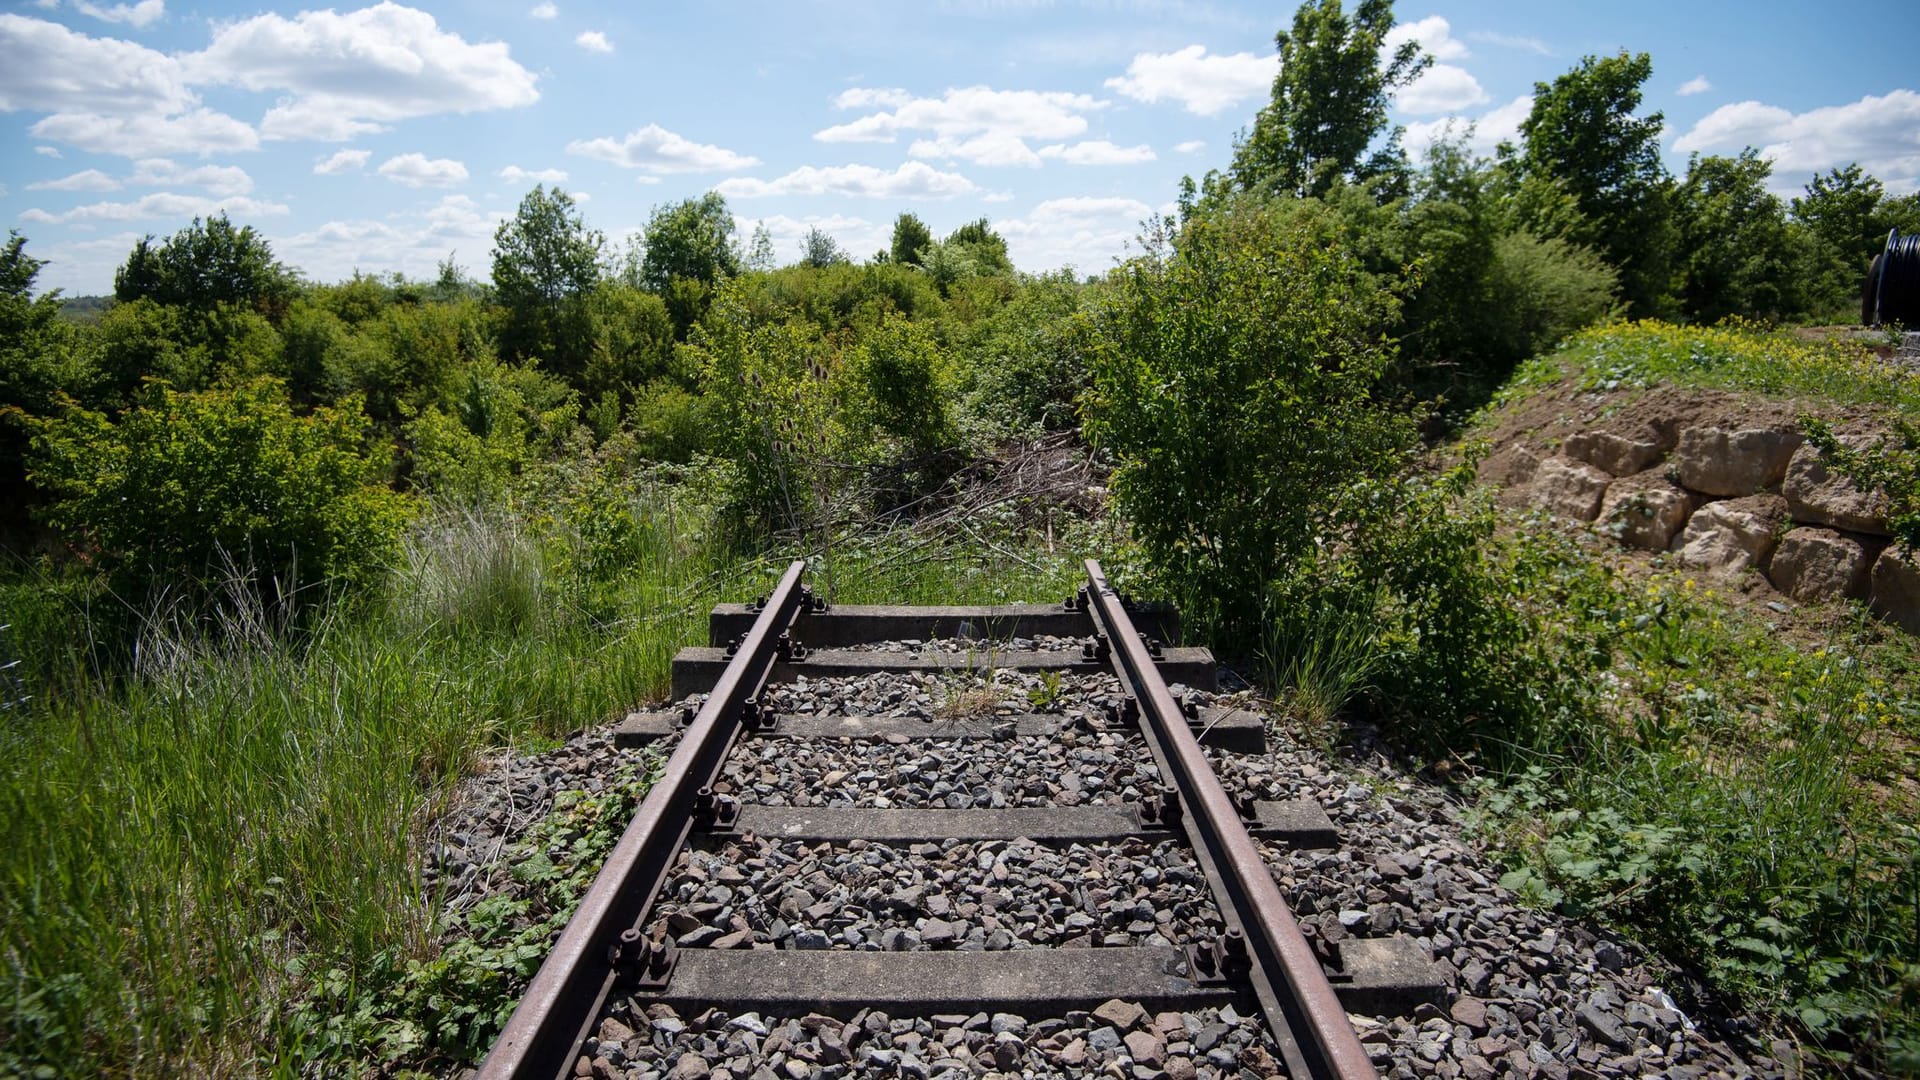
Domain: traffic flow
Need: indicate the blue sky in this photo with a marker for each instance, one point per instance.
(388, 137)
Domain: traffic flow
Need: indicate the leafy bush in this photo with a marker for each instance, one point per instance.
(899, 382)
(1543, 290)
(1234, 383)
(500, 421)
(1891, 465)
(183, 483)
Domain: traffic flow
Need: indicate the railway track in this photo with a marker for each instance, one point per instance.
(799, 864)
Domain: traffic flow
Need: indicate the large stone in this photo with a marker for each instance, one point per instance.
(1815, 563)
(1645, 511)
(1621, 455)
(1714, 461)
(1733, 536)
(1569, 488)
(1819, 497)
(1896, 588)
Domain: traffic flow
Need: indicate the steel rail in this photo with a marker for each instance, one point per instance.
(543, 1038)
(1307, 1019)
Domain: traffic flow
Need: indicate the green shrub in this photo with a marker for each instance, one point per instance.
(899, 382)
(500, 420)
(183, 484)
(1891, 465)
(1542, 291)
(668, 423)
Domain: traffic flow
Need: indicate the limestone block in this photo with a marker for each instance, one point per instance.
(1819, 497)
(1715, 461)
(1621, 455)
(1731, 537)
(1645, 511)
(1569, 488)
(1896, 588)
(1815, 563)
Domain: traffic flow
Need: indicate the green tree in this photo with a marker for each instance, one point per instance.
(1583, 138)
(910, 237)
(546, 263)
(687, 251)
(986, 249)
(42, 362)
(1329, 102)
(1846, 215)
(207, 263)
(1737, 255)
(760, 249)
(820, 250)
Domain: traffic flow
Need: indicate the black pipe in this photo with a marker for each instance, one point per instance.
(1891, 293)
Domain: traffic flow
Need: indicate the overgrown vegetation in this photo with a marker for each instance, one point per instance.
(288, 557)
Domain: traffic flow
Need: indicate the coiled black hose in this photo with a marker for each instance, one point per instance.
(1892, 290)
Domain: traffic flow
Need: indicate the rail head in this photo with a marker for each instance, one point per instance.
(1300, 1004)
(543, 1037)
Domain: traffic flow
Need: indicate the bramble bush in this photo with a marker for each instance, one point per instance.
(181, 486)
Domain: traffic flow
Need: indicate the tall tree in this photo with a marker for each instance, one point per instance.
(691, 239)
(546, 263)
(207, 263)
(1329, 102)
(1736, 255)
(760, 249)
(1583, 138)
(820, 250)
(910, 237)
(986, 249)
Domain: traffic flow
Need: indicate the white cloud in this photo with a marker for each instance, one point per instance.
(593, 41)
(1511, 41)
(343, 161)
(201, 131)
(870, 97)
(349, 74)
(159, 205)
(1696, 85)
(1191, 146)
(913, 180)
(50, 68)
(1204, 85)
(856, 236)
(1881, 133)
(976, 116)
(418, 170)
(219, 180)
(1434, 34)
(1492, 128)
(139, 16)
(47, 151)
(1439, 89)
(1098, 152)
(993, 150)
(410, 243)
(544, 11)
(1084, 232)
(514, 174)
(658, 150)
(85, 180)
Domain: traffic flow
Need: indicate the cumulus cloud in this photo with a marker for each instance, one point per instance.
(47, 151)
(159, 205)
(977, 123)
(217, 179)
(1191, 146)
(1098, 152)
(913, 180)
(1483, 133)
(593, 41)
(657, 150)
(411, 243)
(514, 174)
(544, 11)
(342, 161)
(353, 73)
(85, 180)
(139, 16)
(1434, 34)
(1442, 88)
(53, 69)
(1203, 85)
(201, 131)
(1696, 85)
(1881, 133)
(418, 170)
(1084, 232)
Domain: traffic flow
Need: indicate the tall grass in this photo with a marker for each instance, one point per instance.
(187, 840)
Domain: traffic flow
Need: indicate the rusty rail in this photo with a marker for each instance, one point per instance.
(602, 943)
(1308, 1022)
